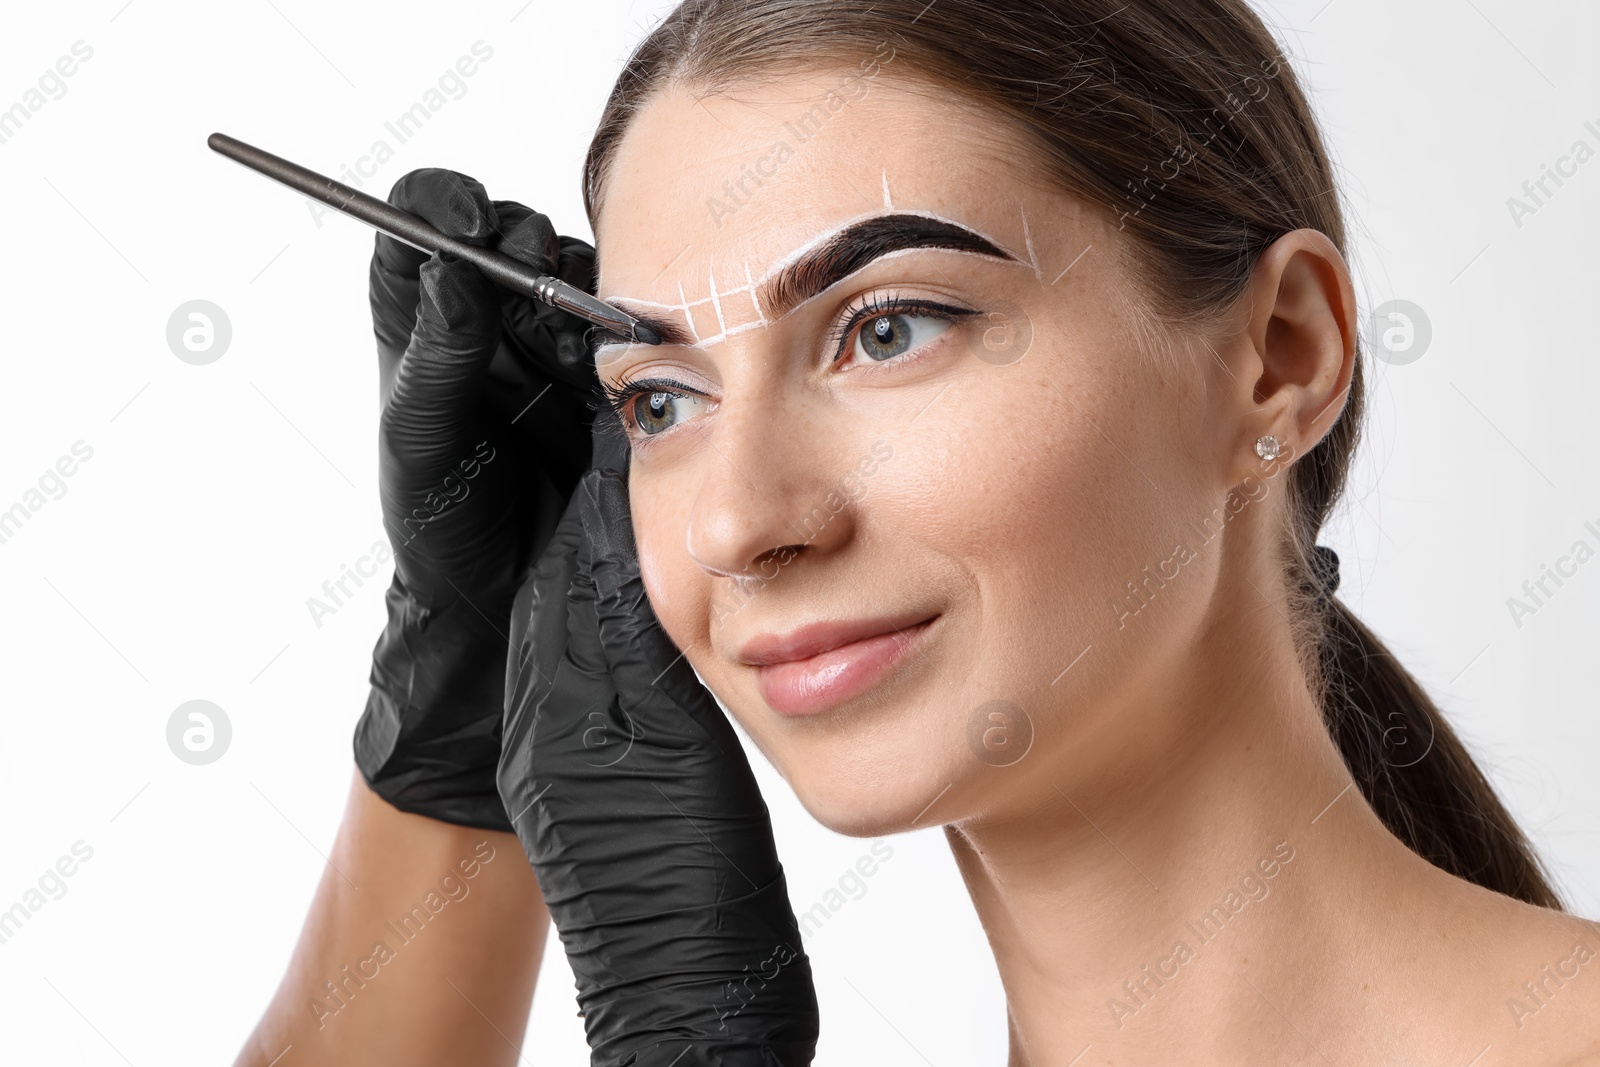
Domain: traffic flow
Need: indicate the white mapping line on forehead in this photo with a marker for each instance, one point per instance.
(686, 306)
(1027, 237)
(755, 297)
(684, 303)
(716, 304)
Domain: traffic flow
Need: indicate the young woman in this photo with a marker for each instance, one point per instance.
(1017, 371)
(1011, 368)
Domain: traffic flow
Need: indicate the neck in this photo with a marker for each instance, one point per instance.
(1170, 893)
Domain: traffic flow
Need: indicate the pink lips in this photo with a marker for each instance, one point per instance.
(820, 666)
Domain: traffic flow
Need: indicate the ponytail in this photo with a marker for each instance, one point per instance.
(1413, 769)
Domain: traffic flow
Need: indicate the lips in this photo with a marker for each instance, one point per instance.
(822, 665)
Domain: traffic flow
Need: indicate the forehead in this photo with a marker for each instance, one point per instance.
(730, 185)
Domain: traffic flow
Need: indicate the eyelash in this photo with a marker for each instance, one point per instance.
(621, 397)
(890, 304)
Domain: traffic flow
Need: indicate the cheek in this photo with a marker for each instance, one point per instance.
(677, 589)
(1032, 483)
(1048, 485)
(688, 603)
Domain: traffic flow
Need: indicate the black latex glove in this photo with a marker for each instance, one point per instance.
(637, 807)
(485, 430)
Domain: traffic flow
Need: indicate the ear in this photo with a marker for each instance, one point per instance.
(1297, 351)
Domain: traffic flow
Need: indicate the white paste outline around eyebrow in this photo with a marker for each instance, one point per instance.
(754, 297)
(686, 305)
(1027, 237)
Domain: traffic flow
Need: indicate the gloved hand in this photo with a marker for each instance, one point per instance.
(487, 401)
(636, 805)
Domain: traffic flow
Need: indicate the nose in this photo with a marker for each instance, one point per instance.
(772, 489)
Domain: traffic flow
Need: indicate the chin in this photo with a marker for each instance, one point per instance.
(865, 798)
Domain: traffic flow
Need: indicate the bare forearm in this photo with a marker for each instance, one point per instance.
(421, 946)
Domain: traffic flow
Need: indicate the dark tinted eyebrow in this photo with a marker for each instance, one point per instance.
(857, 245)
(670, 331)
(838, 257)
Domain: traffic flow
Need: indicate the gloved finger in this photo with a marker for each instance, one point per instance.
(570, 810)
(609, 441)
(554, 676)
(558, 342)
(542, 384)
(453, 204)
(527, 232)
(527, 235)
(425, 741)
(644, 660)
(535, 328)
(433, 420)
(733, 933)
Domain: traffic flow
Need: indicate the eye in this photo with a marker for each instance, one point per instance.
(890, 326)
(887, 336)
(661, 409)
(885, 328)
(655, 405)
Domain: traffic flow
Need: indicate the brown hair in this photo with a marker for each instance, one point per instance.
(1184, 118)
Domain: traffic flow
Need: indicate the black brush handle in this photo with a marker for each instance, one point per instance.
(404, 226)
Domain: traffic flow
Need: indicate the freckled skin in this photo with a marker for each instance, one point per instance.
(1020, 500)
(991, 465)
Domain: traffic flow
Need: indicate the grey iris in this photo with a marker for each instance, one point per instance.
(886, 336)
(655, 414)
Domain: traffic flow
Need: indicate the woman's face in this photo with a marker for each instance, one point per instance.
(901, 544)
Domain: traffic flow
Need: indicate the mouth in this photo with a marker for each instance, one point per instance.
(821, 666)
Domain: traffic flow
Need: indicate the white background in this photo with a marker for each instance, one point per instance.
(219, 498)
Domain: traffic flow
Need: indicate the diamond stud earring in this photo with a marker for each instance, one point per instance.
(1267, 447)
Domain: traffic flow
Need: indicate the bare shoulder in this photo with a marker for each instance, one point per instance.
(1545, 968)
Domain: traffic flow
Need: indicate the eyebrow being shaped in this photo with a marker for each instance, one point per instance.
(838, 257)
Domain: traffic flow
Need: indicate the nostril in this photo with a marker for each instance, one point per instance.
(771, 561)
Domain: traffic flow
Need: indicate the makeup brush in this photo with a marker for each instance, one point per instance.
(404, 226)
